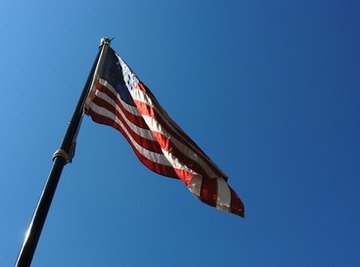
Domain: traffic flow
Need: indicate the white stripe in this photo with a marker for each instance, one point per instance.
(195, 185)
(176, 163)
(223, 195)
(140, 131)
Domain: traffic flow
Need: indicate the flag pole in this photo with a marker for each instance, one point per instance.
(61, 157)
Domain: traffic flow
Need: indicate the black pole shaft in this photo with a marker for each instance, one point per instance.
(33, 234)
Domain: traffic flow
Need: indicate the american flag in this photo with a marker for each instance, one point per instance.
(119, 99)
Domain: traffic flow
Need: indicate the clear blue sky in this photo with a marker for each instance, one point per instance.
(269, 89)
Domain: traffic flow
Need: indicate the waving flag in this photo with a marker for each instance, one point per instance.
(119, 99)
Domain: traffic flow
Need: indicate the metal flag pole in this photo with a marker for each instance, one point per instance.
(61, 157)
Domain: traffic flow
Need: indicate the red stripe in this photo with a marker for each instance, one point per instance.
(151, 145)
(208, 193)
(237, 207)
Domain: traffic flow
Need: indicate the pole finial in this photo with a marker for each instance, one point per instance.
(105, 41)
